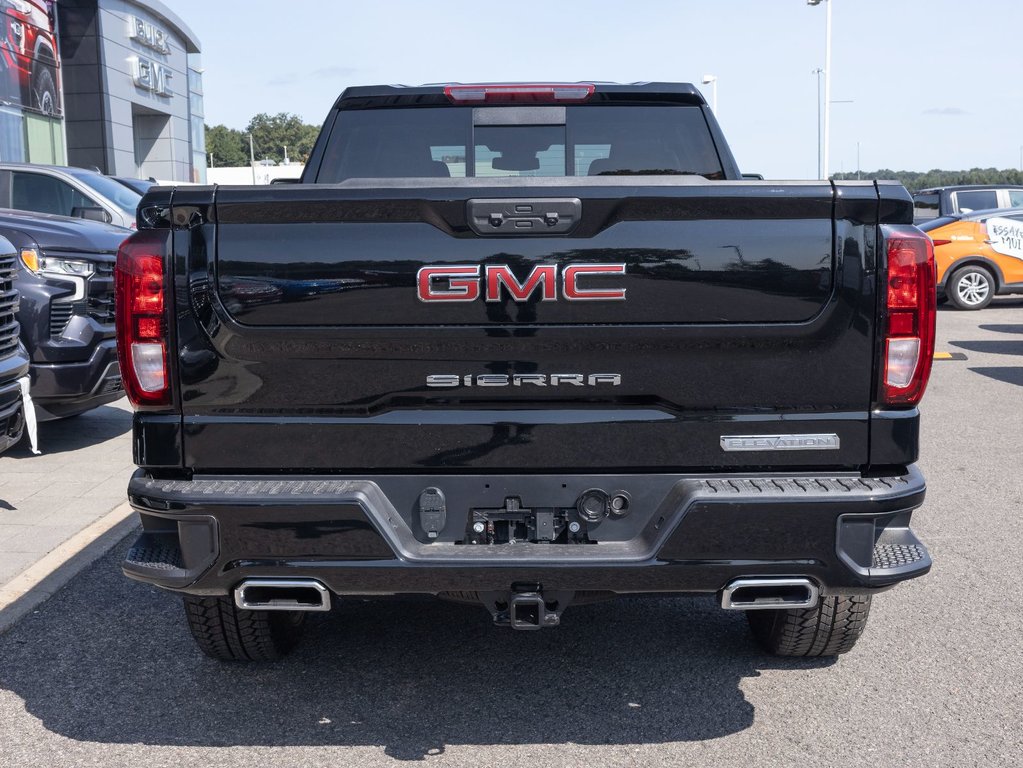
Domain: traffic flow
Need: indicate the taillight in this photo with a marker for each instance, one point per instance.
(910, 317)
(940, 241)
(519, 93)
(142, 318)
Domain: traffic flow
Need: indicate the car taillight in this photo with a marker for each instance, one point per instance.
(141, 304)
(519, 93)
(911, 299)
(939, 241)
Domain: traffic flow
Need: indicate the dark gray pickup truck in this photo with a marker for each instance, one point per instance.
(526, 346)
(13, 356)
(65, 275)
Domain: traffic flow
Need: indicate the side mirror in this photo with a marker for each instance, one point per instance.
(92, 213)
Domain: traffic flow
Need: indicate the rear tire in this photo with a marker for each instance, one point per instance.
(44, 90)
(833, 627)
(227, 633)
(971, 287)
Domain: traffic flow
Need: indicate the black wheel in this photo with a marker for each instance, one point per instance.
(225, 632)
(831, 628)
(971, 287)
(44, 90)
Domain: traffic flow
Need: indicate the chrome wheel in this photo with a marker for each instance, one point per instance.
(972, 288)
(46, 103)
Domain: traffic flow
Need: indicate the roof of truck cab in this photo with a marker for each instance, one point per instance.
(432, 94)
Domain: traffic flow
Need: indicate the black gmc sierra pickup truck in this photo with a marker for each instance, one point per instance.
(526, 345)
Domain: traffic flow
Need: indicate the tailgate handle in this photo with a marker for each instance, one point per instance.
(518, 217)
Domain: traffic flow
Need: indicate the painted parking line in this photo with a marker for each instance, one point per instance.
(949, 356)
(42, 579)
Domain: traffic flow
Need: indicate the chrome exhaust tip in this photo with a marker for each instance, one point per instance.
(282, 595)
(769, 594)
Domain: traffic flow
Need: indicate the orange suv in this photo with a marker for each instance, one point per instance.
(978, 255)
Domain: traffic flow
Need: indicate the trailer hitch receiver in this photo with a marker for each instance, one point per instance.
(527, 609)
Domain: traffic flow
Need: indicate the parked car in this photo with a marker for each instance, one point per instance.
(639, 373)
(28, 56)
(62, 191)
(13, 356)
(978, 255)
(138, 185)
(65, 277)
(964, 198)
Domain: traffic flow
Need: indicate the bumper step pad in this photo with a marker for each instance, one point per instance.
(897, 555)
(157, 551)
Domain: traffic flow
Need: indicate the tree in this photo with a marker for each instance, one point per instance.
(915, 180)
(272, 133)
(227, 146)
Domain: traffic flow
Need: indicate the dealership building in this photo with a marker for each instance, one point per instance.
(110, 84)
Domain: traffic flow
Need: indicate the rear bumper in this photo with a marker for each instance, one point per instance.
(684, 534)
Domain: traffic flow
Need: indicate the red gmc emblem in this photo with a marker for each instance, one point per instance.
(458, 283)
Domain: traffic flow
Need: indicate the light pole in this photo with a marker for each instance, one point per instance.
(827, 83)
(252, 159)
(818, 72)
(712, 81)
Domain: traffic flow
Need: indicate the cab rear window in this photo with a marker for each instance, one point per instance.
(454, 142)
(976, 200)
(926, 205)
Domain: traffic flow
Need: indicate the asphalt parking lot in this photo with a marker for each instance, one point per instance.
(104, 673)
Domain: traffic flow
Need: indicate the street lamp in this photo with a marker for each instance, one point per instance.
(827, 84)
(252, 159)
(818, 72)
(712, 81)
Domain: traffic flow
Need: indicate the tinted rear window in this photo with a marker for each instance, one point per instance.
(442, 142)
(925, 206)
(976, 200)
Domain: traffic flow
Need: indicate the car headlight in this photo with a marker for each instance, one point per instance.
(54, 266)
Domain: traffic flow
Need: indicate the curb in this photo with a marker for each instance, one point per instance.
(41, 580)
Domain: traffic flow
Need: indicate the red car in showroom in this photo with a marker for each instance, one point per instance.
(28, 55)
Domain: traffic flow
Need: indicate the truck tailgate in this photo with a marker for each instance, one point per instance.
(721, 324)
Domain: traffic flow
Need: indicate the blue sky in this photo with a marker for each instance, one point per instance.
(932, 83)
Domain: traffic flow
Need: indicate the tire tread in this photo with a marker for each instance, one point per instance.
(829, 629)
(225, 632)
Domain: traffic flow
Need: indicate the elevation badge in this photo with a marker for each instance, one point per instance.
(828, 442)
